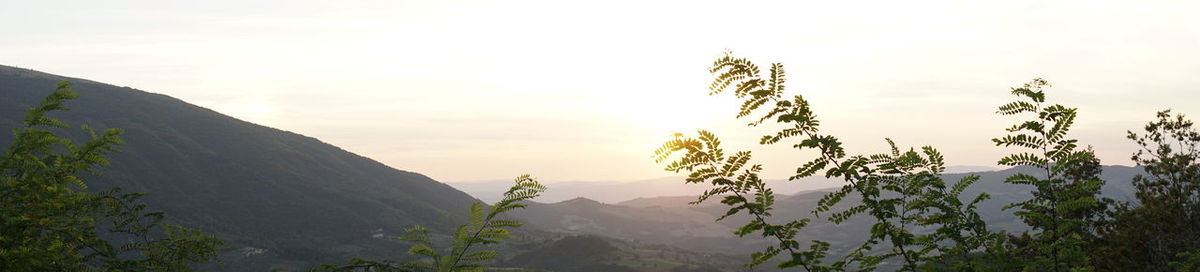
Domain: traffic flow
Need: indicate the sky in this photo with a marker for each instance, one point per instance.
(586, 90)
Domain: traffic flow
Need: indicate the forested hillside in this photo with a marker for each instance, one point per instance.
(276, 197)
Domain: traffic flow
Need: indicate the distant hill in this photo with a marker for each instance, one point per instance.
(617, 191)
(278, 198)
(672, 221)
(959, 169)
(590, 253)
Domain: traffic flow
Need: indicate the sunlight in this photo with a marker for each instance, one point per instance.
(655, 117)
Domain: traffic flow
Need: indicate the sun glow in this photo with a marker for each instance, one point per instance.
(473, 83)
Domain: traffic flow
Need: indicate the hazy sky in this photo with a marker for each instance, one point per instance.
(586, 90)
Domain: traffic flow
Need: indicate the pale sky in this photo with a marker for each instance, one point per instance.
(586, 90)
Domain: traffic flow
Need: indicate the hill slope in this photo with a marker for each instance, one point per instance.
(256, 187)
(587, 253)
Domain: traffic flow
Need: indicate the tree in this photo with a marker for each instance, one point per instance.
(1165, 221)
(900, 191)
(49, 221)
(1065, 205)
(483, 227)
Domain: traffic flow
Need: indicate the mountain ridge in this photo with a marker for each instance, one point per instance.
(671, 220)
(295, 197)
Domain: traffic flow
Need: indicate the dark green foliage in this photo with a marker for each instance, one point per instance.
(1065, 209)
(1188, 261)
(1165, 221)
(483, 228)
(901, 191)
(49, 221)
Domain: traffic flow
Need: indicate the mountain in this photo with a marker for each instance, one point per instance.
(280, 199)
(672, 221)
(959, 169)
(617, 191)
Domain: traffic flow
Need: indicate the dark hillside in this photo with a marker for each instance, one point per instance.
(590, 253)
(275, 196)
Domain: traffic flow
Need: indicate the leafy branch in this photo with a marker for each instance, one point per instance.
(50, 219)
(483, 227)
(898, 190)
(1065, 197)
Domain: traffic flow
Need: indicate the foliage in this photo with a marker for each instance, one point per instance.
(49, 221)
(1189, 261)
(901, 191)
(923, 222)
(1065, 206)
(482, 228)
(1167, 220)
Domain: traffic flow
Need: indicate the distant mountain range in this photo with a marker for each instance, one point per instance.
(672, 221)
(617, 191)
(278, 198)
